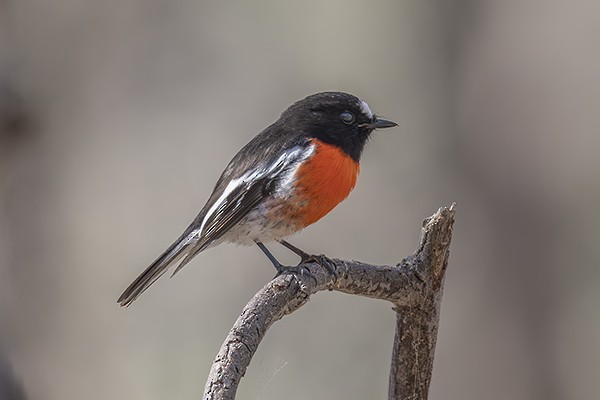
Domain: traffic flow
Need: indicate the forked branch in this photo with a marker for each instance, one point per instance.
(414, 287)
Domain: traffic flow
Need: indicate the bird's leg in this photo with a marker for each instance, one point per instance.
(304, 256)
(284, 269)
(281, 269)
(278, 266)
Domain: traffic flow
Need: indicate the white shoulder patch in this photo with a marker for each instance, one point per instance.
(364, 108)
(285, 185)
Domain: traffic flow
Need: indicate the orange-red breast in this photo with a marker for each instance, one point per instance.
(289, 176)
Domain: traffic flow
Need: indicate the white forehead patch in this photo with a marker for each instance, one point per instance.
(364, 108)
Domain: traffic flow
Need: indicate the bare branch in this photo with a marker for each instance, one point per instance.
(414, 287)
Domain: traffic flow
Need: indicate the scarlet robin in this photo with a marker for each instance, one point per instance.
(289, 176)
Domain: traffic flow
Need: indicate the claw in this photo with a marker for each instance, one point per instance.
(328, 265)
(300, 270)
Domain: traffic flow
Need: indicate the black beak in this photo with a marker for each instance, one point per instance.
(381, 123)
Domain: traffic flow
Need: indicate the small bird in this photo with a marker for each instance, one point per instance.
(289, 176)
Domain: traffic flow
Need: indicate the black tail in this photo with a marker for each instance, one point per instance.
(178, 249)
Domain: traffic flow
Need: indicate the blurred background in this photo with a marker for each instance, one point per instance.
(117, 117)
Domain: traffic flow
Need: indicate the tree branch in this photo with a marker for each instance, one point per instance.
(414, 287)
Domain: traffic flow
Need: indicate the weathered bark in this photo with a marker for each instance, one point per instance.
(414, 287)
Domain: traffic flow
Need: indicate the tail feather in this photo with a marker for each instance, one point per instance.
(188, 257)
(181, 247)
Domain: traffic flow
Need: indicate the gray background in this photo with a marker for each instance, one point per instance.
(127, 111)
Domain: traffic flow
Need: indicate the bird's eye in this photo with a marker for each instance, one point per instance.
(347, 117)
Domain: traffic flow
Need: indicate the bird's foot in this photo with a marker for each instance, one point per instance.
(299, 271)
(323, 261)
(306, 258)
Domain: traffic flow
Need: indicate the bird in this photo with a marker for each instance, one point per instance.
(286, 178)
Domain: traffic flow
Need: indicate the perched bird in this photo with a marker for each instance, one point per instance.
(289, 176)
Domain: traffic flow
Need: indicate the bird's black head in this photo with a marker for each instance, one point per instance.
(335, 118)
